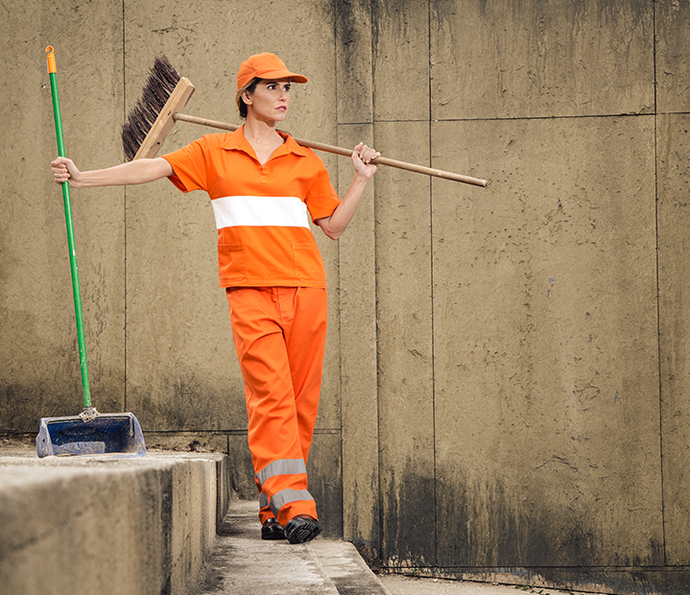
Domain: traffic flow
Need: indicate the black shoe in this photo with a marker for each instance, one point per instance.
(302, 528)
(272, 529)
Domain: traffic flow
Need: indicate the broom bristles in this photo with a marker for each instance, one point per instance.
(162, 80)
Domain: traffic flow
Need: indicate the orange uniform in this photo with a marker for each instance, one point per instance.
(275, 281)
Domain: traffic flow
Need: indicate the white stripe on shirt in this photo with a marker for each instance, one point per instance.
(260, 211)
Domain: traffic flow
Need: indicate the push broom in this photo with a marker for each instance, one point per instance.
(90, 432)
(166, 93)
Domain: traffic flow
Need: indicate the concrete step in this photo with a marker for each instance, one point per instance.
(242, 562)
(97, 524)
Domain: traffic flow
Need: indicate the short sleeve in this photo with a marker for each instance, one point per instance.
(321, 199)
(190, 166)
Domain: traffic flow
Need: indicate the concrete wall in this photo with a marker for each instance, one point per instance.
(505, 379)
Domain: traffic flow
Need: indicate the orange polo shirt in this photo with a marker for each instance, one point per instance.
(262, 213)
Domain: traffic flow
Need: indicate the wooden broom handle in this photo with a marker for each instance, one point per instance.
(346, 152)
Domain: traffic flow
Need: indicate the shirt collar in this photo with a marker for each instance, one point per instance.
(236, 141)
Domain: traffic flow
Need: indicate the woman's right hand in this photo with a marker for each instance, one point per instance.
(64, 170)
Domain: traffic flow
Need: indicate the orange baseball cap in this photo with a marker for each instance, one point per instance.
(265, 66)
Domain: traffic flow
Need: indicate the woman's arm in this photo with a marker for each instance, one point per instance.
(139, 171)
(335, 225)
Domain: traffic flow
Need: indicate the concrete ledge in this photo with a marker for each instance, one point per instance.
(102, 525)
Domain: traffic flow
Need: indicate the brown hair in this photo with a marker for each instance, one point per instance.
(249, 87)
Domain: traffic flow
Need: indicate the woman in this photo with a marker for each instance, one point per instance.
(263, 188)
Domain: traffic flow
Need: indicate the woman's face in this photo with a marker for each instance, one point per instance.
(269, 101)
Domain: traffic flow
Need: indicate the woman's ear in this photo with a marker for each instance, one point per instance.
(246, 97)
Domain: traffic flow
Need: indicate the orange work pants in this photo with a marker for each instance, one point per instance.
(280, 336)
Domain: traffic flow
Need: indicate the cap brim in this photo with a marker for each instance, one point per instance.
(281, 74)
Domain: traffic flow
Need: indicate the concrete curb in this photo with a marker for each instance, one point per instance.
(341, 562)
(84, 525)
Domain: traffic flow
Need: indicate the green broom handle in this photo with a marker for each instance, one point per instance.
(52, 71)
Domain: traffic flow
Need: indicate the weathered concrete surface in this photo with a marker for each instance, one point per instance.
(541, 59)
(414, 585)
(242, 563)
(545, 325)
(674, 310)
(360, 440)
(357, 288)
(405, 342)
(673, 157)
(98, 524)
(673, 74)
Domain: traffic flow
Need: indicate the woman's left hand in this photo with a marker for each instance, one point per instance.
(362, 157)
